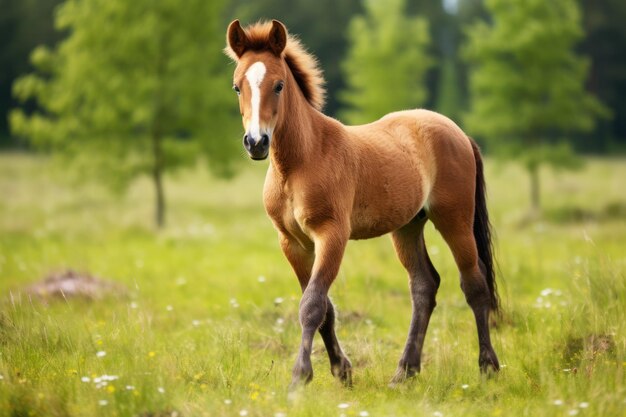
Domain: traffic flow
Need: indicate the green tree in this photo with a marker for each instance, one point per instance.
(138, 87)
(449, 98)
(605, 43)
(527, 84)
(24, 24)
(386, 61)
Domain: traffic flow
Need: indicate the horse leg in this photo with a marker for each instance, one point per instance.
(423, 283)
(340, 365)
(301, 261)
(458, 234)
(330, 243)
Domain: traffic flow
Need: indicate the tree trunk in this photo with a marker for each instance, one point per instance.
(157, 176)
(156, 133)
(535, 199)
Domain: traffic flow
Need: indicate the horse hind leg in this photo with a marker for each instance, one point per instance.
(458, 234)
(423, 283)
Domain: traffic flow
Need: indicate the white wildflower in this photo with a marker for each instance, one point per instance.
(101, 354)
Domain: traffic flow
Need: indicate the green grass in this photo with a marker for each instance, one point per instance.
(224, 345)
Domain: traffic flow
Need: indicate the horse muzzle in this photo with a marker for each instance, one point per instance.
(258, 148)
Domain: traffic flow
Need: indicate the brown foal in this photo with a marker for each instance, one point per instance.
(328, 183)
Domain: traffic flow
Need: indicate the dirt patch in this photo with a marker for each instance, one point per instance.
(71, 284)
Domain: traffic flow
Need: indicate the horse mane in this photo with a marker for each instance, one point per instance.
(303, 65)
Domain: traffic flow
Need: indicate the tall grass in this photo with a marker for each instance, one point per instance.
(208, 325)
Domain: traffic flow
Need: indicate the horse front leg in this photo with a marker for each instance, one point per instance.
(340, 365)
(301, 259)
(330, 243)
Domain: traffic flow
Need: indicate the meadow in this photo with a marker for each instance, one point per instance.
(207, 324)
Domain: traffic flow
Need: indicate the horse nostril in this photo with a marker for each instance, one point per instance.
(246, 142)
(265, 140)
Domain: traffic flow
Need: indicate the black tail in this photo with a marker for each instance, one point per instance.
(482, 229)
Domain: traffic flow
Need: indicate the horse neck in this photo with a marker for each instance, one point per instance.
(296, 137)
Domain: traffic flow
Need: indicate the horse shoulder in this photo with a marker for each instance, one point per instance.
(320, 199)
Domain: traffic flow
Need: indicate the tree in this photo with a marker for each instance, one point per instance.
(24, 24)
(138, 87)
(605, 44)
(386, 61)
(527, 85)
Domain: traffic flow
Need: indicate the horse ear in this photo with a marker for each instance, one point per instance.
(278, 37)
(237, 39)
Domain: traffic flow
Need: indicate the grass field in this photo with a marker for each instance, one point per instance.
(208, 324)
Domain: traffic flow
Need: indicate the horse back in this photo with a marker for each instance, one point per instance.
(405, 159)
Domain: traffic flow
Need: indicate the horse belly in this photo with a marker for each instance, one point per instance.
(386, 207)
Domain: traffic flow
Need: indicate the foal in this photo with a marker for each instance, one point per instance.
(328, 183)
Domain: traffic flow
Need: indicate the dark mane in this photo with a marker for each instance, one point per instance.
(303, 65)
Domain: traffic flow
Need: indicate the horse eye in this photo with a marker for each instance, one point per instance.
(236, 89)
(279, 87)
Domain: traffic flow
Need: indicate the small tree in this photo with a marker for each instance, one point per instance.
(138, 87)
(386, 61)
(527, 84)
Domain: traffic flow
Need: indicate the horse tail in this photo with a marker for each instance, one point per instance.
(482, 229)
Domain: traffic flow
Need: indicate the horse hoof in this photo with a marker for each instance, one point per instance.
(488, 362)
(402, 375)
(343, 372)
(300, 378)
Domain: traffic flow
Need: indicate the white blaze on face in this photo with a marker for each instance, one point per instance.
(255, 75)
